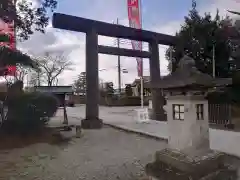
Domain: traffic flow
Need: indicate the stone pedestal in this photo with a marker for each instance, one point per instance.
(171, 164)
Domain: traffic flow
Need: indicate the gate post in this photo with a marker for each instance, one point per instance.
(157, 96)
(92, 120)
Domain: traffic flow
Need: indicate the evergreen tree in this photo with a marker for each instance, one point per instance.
(27, 17)
(197, 37)
(80, 85)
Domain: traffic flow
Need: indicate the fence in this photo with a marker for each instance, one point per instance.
(219, 113)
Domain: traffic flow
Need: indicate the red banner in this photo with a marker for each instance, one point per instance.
(9, 30)
(135, 22)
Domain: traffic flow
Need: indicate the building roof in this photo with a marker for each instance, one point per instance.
(54, 89)
(187, 75)
(138, 81)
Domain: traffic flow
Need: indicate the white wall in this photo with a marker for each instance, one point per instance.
(225, 141)
(220, 140)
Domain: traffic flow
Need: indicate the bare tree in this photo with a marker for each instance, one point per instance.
(51, 66)
(34, 79)
(19, 75)
(22, 72)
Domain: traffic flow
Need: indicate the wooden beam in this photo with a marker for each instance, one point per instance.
(123, 52)
(78, 24)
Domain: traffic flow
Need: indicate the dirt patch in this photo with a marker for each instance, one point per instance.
(47, 135)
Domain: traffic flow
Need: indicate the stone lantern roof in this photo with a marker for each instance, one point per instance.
(187, 76)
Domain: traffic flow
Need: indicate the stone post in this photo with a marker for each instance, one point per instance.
(92, 120)
(157, 97)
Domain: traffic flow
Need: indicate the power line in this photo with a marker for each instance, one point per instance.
(128, 42)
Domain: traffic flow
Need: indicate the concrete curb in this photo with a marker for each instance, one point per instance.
(126, 129)
(135, 132)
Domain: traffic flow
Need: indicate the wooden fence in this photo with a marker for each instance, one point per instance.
(219, 113)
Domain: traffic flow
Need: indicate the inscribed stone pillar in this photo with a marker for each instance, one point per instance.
(92, 120)
(157, 97)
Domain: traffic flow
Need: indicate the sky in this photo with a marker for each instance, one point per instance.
(163, 16)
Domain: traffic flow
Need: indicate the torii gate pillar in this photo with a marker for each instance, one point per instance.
(92, 120)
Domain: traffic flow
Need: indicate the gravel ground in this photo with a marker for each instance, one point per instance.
(105, 154)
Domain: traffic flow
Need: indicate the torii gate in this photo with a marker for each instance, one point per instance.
(93, 29)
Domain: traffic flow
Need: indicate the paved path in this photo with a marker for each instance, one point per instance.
(124, 118)
(120, 117)
(106, 154)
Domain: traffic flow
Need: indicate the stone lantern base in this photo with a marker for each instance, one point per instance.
(171, 164)
(91, 123)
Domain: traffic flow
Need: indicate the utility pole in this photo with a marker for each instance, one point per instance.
(213, 63)
(171, 59)
(38, 78)
(119, 66)
(141, 78)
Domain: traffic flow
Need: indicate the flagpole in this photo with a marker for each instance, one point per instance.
(141, 78)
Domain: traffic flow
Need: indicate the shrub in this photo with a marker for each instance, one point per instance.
(234, 91)
(45, 103)
(128, 90)
(71, 104)
(131, 101)
(29, 112)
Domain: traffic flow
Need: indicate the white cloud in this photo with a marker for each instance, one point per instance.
(222, 6)
(64, 40)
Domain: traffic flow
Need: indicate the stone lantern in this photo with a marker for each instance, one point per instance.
(188, 124)
(187, 107)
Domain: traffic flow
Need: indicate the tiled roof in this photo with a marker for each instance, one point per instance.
(188, 75)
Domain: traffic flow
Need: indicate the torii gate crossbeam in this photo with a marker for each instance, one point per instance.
(93, 29)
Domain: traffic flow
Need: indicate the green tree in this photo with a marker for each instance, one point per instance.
(128, 90)
(109, 89)
(197, 37)
(79, 85)
(234, 32)
(27, 17)
(4, 38)
(15, 57)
